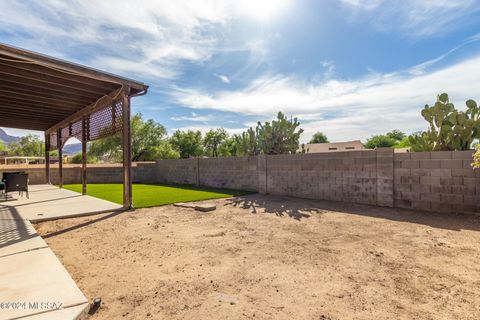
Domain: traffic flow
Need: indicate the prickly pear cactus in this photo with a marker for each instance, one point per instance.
(449, 129)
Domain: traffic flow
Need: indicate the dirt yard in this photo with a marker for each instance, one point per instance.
(259, 257)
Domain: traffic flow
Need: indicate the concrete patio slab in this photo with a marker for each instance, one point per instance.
(32, 279)
(48, 202)
(18, 236)
(36, 277)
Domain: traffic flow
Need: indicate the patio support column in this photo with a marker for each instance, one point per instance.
(127, 153)
(47, 158)
(60, 158)
(84, 156)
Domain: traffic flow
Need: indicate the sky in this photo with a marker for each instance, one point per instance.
(348, 68)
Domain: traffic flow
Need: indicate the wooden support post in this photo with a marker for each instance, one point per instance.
(127, 153)
(84, 155)
(60, 158)
(47, 158)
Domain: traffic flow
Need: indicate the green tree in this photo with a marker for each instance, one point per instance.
(279, 137)
(188, 143)
(2, 146)
(396, 135)
(147, 135)
(228, 147)
(380, 141)
(319, 137)
(78, 158)
(28, 146)
(213, 139)
(166, 151)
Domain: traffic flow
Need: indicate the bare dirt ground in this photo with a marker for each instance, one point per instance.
(259, 257)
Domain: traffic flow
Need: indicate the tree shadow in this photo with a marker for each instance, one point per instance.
(280, 206)
(299, 208)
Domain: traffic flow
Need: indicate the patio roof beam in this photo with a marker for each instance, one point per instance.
(9, 72)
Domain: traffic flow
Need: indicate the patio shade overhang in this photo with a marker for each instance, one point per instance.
(65, 100)
(38, 92)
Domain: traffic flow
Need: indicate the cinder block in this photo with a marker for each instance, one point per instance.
(430, 196)
(420, 172)
(421, 205)
(406, 204)
(451, 198)
(412, 164)
(410, 196)
(430, 164)
(419, 155)
(462, 173)
(467, 181)
(441, 173)
(441, 155)
(441, 207)
(452, 164)
(420, 188)
(402, 156)
(430, 180)
(440, 189)
(471, 200)
(463, 155)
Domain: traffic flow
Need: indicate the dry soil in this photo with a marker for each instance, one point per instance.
(264, 257)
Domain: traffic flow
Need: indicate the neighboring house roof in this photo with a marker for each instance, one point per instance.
(334, 146)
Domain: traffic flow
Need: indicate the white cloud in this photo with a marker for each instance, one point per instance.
(346, 109)
(193, 117)
(222, 78)
(205, 128)
(415, 18)
(151, 38)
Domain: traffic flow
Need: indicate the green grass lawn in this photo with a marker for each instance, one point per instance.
(150, 195)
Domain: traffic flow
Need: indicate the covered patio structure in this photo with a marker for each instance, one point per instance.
(66, 100)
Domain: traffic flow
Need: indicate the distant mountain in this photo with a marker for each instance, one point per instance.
(7, 138)
(72, 149)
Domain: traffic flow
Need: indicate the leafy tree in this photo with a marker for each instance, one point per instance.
(28, 146)
(449, 129)
(213, 139)
(380, 141)
(228, 147)
(78, 158)
(319, 137)
(396, 135)
(2, 146)
(166, 151)
(146, 137)
(404, 143)
(280, 136)
(188, 143)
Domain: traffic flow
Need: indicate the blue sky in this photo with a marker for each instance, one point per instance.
(349, 68)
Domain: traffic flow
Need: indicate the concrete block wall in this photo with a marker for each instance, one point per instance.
(182, 171)
(349, 176)
(441, 181)
(98, 173)
(431, 181)
(240, 173)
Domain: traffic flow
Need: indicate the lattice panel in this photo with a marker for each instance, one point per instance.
(100, 124)
(105, 122)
